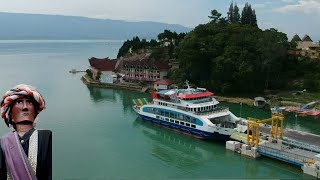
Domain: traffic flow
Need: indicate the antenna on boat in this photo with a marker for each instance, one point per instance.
(187, 82)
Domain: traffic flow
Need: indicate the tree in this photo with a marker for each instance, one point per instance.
(295, 38)
(236, 15)
(227, 56)
(248, 15)
(214, 16)
(253, 18)
(231, 13)
(153, 43)
(89, 73)
(98, 76)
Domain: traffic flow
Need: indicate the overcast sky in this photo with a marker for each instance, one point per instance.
(288, 16)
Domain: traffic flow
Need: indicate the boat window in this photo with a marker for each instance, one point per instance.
(177, 122)
(193, 126)
(162, 113)
(171, 115)
(167, 114)
(171, 120)
(182, 123)
(193, 120)
(181, 116)
(187, 124)
(187, 119)
(157, 117)
(167, 119)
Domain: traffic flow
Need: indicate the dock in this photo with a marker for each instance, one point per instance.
(294, 147)
(73, 71)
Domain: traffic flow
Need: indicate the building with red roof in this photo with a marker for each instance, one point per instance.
(306, 47)
(106, 66)
(162, 84)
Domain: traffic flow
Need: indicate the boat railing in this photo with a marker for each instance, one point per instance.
(217, 110)
(199, 101)
(170, 100)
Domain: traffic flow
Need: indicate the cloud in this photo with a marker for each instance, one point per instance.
(304, 6)
(288, 1)
(258, 6)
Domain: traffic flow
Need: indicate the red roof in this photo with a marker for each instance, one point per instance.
(105, 64)
(164, 82)
(198, 95)
(306, 38)
(162, 65)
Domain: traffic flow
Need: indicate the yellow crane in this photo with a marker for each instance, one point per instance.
(276, 129)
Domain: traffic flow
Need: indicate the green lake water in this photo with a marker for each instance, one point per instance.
(96, 134)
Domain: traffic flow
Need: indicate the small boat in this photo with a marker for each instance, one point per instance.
(260, 102)
(73, 71)
(190, 111)
(277, 110)
(302, 112)
(315, 114)
(309, 105)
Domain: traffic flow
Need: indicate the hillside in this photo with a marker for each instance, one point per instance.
(35, 26)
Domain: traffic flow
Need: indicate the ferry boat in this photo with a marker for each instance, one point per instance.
(191, 111)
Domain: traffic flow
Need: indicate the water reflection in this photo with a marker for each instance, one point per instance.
(102, 94)
(116, 95)
(175, 149)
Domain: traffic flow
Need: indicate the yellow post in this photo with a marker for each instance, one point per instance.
(248, 132)
(258, 134)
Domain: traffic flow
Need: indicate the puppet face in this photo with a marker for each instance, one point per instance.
(23, 110)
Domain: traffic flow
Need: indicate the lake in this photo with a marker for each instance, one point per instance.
(96, 134)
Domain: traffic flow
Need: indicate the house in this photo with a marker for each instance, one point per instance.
(144, 70)
(162, 84)
(306, 47)
(106, 66)
(166, 42)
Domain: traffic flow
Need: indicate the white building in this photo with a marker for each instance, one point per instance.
(162, 84)
(106, 67)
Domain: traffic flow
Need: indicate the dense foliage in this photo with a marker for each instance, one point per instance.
(229, 55)
(135, 44)
(159, 50)
(232, 55)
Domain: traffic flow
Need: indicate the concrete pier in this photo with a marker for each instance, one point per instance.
(297, 148)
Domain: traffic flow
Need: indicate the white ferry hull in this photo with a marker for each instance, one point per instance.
(197, 133)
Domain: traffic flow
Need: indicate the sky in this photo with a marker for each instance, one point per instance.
(288, 16)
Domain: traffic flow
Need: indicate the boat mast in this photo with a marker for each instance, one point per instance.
(187, 82)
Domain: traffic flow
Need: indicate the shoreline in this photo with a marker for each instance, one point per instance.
(106, 85)
(235, 100)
